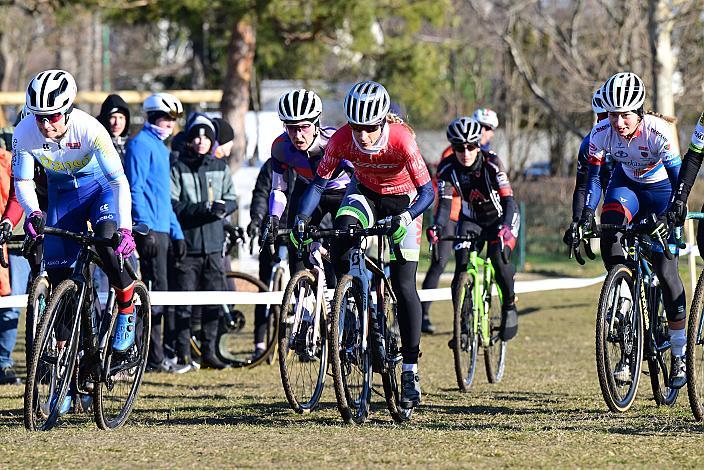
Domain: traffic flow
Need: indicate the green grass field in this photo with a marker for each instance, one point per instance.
(547, 412)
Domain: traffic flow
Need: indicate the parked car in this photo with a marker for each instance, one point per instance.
(537, 170)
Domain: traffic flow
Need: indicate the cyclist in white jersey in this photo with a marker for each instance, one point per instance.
(647, 164)
(85, 181)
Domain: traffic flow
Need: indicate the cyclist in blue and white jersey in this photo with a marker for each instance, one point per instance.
(85, 182)
(301, 148)
(647, 164)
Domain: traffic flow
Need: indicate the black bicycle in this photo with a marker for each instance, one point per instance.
(73, 346)
(364, 335)
(631, 323)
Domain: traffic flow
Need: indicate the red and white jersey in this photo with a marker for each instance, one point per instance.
(399, 168)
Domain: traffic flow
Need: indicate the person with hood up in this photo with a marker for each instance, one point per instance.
(115, 117)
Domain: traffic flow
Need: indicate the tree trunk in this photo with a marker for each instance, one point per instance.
(235, 96)
(663, 57)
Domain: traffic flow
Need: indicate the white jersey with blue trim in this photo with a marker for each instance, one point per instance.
(84, 153)
(644, 157)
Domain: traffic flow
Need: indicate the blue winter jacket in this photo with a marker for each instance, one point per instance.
(148, 171)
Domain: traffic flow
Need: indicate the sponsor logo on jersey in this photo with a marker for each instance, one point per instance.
(701, 119)
(644, 154)
(53, 165)
(73, 145)
(104, 207)
(46, 147)
(476, 195)
(380, 166)
(620, 154)
(641, 147)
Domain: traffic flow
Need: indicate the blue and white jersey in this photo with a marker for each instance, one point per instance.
(84, 154)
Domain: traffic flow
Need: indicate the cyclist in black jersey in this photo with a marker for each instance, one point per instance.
(488, 210)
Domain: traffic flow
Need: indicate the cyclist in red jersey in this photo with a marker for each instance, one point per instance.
(390, 179)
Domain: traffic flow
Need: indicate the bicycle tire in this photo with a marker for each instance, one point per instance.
(695, 352)
(274, 314)
(116, 373)
(608, 304)
(394, 361)
(345, 328)
(50, 365)
(659, 361)
(234, 346)
(464, 350)
(302, 397)
(495, 351)
(37, 301)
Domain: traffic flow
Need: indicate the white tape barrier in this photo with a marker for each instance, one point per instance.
(263, 298)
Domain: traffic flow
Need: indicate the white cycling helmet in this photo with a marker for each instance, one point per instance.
(50, 92)
(623, 92)
(598, 102)
(300, 105)
(367, 103)
(464, 130)
(486, 117)
(165, 103)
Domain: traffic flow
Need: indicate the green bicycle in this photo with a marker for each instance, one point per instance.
(477, 318)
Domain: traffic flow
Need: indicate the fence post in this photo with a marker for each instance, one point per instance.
(522, 238)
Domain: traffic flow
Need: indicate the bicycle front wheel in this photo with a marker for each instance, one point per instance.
(619, 339)
(115, 396)
(53, 359)
(303, 349)
(695, 352)
(36, 305)
(659, 358)
(495, 351)
(351, 364)
(464, 335)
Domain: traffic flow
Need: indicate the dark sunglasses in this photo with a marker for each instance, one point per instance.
(462, 147)
(50, 118)
(366, 128)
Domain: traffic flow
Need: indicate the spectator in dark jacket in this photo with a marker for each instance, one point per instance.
(202, 195)
(148, 172)
(115, 117)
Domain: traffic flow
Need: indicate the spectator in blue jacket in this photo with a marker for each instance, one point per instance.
(148, 171)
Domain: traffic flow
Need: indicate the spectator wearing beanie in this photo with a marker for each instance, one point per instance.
(147, 168)
(202, 195)
(225, 136)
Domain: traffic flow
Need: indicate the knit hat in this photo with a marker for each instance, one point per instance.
(224, 132)
(199, 125)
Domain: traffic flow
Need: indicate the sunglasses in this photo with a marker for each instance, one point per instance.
(50, 118)
(366, 128)
(462, 147)
(293, 128)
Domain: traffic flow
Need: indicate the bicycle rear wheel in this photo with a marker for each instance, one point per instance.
(351, 366)
(303, 349)
(695, 352)
(495, 351)
(464, 337)
(53, 359)
(659, 360)
(390, 378)
(619, 339)
(115, 395)
(235, 337)
(36, 305)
